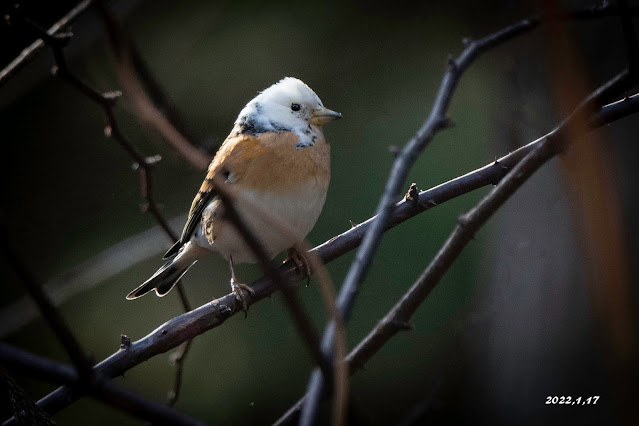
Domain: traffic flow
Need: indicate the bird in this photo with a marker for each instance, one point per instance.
(276, 157)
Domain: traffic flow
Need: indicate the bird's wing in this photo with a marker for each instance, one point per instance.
(232, 161)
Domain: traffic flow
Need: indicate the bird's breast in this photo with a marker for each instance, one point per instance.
(278, 165)
(280, 191)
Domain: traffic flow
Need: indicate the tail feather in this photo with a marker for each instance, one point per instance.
(175, 248)
(163, 280)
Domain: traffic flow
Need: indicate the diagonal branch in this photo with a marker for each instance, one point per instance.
(213, 314)
(50, 314)
(34, 48)
(468, 224)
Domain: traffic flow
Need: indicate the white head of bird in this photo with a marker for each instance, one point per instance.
(288, 105)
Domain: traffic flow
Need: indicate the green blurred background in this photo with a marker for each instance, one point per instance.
(70, 193)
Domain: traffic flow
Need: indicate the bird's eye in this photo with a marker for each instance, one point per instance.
(296, 107)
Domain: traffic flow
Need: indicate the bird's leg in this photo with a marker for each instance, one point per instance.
(301, 262)
(237, 287)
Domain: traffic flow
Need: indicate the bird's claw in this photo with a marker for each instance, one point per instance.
(237, 288)
(301, 262)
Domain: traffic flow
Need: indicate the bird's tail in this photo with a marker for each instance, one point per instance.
(166, 277)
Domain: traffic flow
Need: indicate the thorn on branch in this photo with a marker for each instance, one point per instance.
(452, 63)
(502, 168)
(412, 194)
(225, 310)
(394, 150)
(62, 39)
(462, 220)
(401, 325)
(353, 224)
(467, 41)
(125, 342)
(154, 159)
(112, 96)
(446, 123)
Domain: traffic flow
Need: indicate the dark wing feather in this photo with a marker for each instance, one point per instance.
(204, 195)
(195, 215)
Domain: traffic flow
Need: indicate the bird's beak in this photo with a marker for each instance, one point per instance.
(324, 115)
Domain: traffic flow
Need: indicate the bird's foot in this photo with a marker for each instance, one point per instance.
(236, 288)
(301, 262)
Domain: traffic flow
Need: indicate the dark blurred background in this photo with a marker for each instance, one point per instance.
(518, 318)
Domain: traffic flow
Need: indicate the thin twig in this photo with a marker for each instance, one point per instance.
(436, 122)
(178, 358)
(213, 314)
(34, 48)
(107, 101)
(41, 368)
(121, 47)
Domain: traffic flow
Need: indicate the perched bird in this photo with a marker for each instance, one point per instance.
(276, 157)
